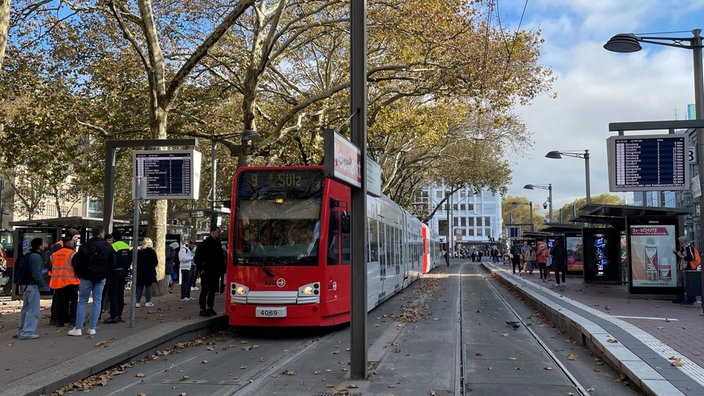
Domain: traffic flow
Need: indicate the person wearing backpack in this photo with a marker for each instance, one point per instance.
(30, 279)
(685, 255)
(94, 260)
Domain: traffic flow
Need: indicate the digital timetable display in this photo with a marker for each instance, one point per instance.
(648, 163)
(168, 174)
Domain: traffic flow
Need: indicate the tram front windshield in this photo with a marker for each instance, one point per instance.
(277, 215)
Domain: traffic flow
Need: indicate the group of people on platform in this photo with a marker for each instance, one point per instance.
(100, 269)
(530, 257)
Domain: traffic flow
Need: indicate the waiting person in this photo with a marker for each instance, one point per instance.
(185, 257)
(170, 257)
(29, 315)
(146, 272)
(516, 258)
(210, 264)
(684, 254)
(64, 282)
(559, 261)
(73, 234)
(542, 257)
(118, 278)
(94, 260)
(531, 259)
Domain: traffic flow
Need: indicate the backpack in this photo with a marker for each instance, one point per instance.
(22, 272)
(696, 261)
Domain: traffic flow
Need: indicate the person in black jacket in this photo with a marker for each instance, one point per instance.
(146, 272)
(118, 278)
(210, 264)
(94, 260)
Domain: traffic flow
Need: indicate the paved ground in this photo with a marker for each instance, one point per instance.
(657, 343)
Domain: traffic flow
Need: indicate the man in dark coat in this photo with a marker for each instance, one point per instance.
(210, 264)
(94, 260)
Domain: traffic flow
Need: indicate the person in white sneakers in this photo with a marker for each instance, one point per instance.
(94, 260)
(185, 258)
(146, 271)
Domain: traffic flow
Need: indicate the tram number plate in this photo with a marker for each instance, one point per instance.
(271, 312)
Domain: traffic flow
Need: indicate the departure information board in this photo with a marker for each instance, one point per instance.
(168, 174)
(648, 163)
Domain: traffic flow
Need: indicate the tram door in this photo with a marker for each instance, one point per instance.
(339, 258)
(23, 239)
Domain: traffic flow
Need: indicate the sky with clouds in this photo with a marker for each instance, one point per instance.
(596, 87)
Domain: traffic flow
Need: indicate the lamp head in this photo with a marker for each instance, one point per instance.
(554, 155)
(529, 187)
(623, 42)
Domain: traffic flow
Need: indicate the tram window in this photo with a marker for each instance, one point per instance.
(373, 248)
(334, 243)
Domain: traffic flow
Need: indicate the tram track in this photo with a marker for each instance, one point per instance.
(527, 326)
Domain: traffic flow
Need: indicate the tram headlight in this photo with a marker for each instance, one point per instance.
(311, 289)
(240, 290)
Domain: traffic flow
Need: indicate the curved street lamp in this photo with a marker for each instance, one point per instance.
(576, 154)
(629, 42)
(543, 187)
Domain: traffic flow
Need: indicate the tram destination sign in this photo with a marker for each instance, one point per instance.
(173, 174)
(648, 163)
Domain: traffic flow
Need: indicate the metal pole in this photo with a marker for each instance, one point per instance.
(699, 111)
(358, 134)
(214, 166)
(550, 201)
(586, 176)
(532, 226)
(135, 238)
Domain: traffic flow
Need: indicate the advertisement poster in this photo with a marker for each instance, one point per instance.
(652, 262)
(575, 254)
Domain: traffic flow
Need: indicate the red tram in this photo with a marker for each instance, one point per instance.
(289, 256)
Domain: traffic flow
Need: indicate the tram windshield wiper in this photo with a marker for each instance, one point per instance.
(267, 271)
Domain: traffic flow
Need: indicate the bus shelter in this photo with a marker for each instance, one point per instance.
(631, 245)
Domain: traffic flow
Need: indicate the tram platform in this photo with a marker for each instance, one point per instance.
(656, 344)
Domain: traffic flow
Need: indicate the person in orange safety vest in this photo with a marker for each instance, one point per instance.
(64, 281)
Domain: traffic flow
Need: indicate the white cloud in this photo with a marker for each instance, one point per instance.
(596, 87)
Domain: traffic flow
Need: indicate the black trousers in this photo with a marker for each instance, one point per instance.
(209, 285)
(116, 292)
(66, 302)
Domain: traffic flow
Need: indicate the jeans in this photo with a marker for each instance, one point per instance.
(185, 283)
(147, 293)
(29, 315)
(85, 289)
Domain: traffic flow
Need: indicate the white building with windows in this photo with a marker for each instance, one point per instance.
(475, 219)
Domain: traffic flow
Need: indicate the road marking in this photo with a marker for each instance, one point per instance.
(646, 318)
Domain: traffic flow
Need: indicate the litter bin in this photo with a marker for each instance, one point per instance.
(693, 283)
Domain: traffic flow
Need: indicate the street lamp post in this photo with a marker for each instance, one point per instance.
(543, 187)
(629, 42)
(585, 156)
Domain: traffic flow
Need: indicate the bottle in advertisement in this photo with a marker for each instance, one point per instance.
(652, 272)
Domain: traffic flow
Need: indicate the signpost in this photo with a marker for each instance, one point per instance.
(168, 174)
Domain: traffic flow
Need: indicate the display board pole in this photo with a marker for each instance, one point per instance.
(139, 187)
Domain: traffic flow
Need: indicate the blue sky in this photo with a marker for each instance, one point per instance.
(596, 87)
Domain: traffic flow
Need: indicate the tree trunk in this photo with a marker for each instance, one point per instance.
(4, 27)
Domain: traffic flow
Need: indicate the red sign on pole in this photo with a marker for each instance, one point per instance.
(343, 160)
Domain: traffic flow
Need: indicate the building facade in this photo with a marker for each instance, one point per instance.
(467, 219)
